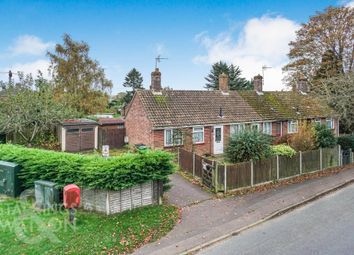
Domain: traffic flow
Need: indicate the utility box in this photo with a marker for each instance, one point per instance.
(47, 195)
(10, 184)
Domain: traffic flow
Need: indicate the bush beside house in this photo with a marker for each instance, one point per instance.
(247, 145)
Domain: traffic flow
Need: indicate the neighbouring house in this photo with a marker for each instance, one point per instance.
(204, 120)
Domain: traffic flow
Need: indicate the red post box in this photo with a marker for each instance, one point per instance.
(71, 196)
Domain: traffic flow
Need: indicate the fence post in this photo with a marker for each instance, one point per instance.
(252, 173)
(300, 162)
(216, 176)
(178, 160)
(351, 155)
(225, 174)
(193, 164)
(321, 159)
(339, 156)
(277, 167)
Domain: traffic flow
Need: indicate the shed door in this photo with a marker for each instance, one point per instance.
(72, 139)
(87, 138)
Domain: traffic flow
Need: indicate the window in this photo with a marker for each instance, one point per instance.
(317, 121)
(292, 126)
(87, 130)
(255, 126)
(198, 135)
(73, 130)
(267, 128)
(173, 137)
(237, 128)
(329, 123)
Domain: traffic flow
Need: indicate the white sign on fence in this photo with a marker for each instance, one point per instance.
(105, 151)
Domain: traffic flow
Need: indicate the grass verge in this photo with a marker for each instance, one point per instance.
(26, 230)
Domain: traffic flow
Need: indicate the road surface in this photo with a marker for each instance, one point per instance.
(326, 226)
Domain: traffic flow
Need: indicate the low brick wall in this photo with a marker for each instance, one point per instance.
(111, 202)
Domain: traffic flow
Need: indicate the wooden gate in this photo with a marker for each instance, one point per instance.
(207, 173)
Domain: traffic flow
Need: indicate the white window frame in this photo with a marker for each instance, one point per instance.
(290, 122)
(318, 121)
(240, 128)
(165, 138)
(258, 125)
(194, 131)
(270, 126)
(332, 123)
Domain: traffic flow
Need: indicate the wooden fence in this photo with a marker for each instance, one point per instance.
(227, 177)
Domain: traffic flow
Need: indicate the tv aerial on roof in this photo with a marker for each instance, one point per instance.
(158, 60)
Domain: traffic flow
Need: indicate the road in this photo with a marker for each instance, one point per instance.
(325, 226)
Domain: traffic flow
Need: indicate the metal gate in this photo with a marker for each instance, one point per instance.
(346, 157)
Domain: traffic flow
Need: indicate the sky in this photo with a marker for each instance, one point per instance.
(125, 34)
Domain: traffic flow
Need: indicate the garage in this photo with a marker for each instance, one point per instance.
(111, 132)
(78, 135)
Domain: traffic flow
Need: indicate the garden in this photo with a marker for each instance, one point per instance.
(39, 231)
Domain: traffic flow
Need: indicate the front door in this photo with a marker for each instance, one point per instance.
(218, 140)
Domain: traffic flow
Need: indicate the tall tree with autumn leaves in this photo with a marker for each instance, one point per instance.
(323, 47)
(79, 80)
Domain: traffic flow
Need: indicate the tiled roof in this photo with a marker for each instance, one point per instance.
(284, 105)
(176, 108)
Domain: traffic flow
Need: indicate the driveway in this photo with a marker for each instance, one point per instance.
(183, 193)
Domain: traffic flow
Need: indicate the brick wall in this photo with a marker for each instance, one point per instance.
(138, 126)
(201, 149)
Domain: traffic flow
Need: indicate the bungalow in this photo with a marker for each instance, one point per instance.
(204, 120)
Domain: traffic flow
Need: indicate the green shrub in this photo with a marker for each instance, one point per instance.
(324, 137)
(283, 150)
(87, 171)
(248, 145)
(346, 142)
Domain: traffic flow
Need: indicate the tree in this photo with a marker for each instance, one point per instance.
(247, 145)
(236, 82)
(28, 108)
(78, 80)
(325, 40)
(338, 92)
(324, 137)
(134, 81)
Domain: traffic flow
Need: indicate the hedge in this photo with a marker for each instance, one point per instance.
(88, 171)
(346, 142)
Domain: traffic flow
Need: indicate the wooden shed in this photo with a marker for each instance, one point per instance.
(111, 132)
(78, 135)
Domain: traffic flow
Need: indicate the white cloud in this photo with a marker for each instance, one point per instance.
(350, 4)
(262, 41)
(29, 45)
(31, 67)
(160, 49)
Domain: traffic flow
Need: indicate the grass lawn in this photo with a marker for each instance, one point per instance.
(25, 230)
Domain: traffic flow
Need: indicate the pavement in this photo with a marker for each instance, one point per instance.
(209, 221)
(323, 227)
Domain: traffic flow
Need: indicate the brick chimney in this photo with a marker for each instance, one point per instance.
(224, 82)
(302, 85)
(156, 80)
(258, 83)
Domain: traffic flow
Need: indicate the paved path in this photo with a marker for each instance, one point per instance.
(213, 218)
(322, 227)
(183, 193)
